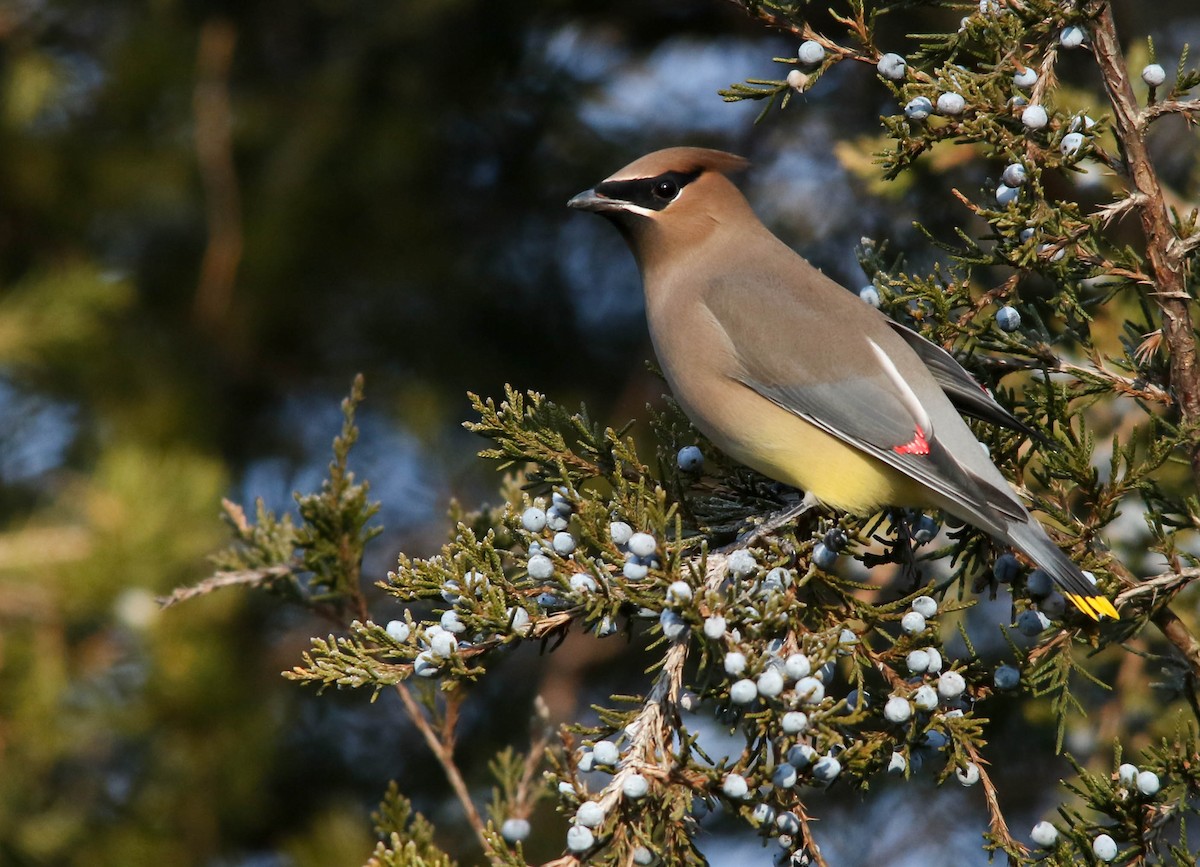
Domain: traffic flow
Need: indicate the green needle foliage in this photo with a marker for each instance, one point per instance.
(767, 628)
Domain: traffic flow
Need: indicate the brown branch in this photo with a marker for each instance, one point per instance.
(219, 580)
(443, 750)
(1169, 289)
(214, 153)
(1170, 106)
(996, 820)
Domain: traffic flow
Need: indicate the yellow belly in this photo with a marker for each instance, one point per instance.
(784, 447)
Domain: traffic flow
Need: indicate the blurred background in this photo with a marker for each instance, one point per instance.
(212, 215)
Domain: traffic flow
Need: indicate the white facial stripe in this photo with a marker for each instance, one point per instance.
(638, 209)
(907, 396)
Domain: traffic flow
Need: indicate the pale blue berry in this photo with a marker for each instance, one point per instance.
(642, 545)
(443, 644)
(1154, 75)
(770, 683)
(398, 631)
(741, 563)
(784, 776)
(775, 581)
(1071, 37)
(847, 638)
(564, 543)
(581, 582)
(917, 661)
(735, 786)
(925, 529)
(764, 814)
(824, 557)
(811, 53)
(635, 786)
(1006, 195)
(935, 739)
(1034, 117)
(635, 571)
(590, 814)
(898, 764)
(1006, 677)
(518, 618)
(968, 775)
(1148, 783)
(892, 66)
(540, 567)
(580, 839)
(689, 701)
(1053, 606)
(558, 519)
(735, 663)
(1039, 584)
(743, 691)
(1127, 774)
(1027, 233)
(1008, 318)
(950, 104)
(533, 519)
(515, 830)
(426, 664)
(714, 627)
(797, 666)
(789, 823)
(1070, 144)
(897, 709)
(809, 690)
(826, 769)
(1044, 834)
(587, 761)
(1104, 847)
(935, 660)
(870, 295)
(642, 856)
(950, 685)
(925, 698)
(797, 80)
(1026, 78)
(913, 623)
(801, 756)
(690, 459)
(926, 606)
(451, 623)
(918, 108)
(673, 626)
(1006, 568)
(1032, 623)
(1014, 175)
(679, 592)
(620, 532)
(794, 722)
(1053, 252)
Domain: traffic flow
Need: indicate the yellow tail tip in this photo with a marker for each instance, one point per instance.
(1095, 607)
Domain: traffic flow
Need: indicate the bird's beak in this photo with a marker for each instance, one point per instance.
(590, 200)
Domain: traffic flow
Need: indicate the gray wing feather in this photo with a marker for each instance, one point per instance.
(964, 392)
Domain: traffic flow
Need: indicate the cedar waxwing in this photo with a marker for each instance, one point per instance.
(794, 376)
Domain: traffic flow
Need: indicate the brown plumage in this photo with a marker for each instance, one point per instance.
(792, 375)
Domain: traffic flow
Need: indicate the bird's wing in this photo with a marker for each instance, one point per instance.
(967, 395)
(864, 386)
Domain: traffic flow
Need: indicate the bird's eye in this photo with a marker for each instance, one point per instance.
(666, 189)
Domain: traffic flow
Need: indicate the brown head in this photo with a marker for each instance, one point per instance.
(670, 200)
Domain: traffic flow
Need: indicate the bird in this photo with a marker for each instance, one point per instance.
(794, 376)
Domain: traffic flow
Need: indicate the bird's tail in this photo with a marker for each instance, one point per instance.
(1084, 595)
